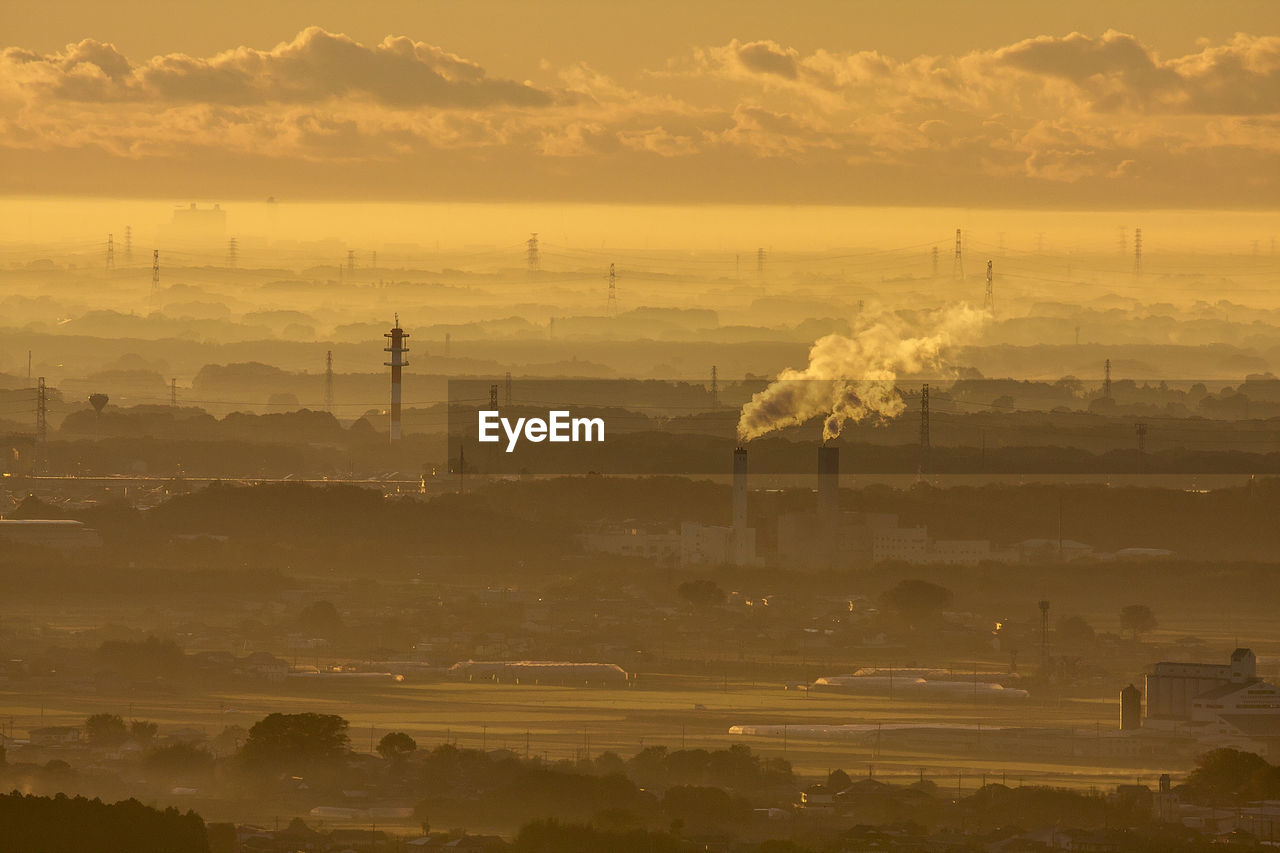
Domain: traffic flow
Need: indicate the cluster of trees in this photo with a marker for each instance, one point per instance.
(92, 826)
(1230, 777)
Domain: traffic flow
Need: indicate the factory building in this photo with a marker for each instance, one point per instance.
(1173, 687)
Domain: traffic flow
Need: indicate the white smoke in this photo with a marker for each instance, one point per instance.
(852, 378)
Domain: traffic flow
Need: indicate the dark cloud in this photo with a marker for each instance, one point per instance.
(766, 57)
(1117, 71)
(315, 66)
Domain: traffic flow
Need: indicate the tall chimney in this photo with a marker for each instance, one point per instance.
(397, 362)
(740, 506)
(828, 480)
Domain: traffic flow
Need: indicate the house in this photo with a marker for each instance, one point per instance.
(265, 665)
(55, 736)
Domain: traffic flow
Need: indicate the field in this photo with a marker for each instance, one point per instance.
(558, 723)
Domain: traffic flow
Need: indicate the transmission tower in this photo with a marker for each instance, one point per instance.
(351, 261)
(924, 429)
(1137, 251)
(957, 264)
(173, 392)
(1106, 380)
(373, 259)
(760, 258)
(715, 388)
(128, 244)
(111, 253)
(935, 261)
(1141, 429)
(532, 254)
(328, 381)
(506, 391)
(42, 424)
(233, 252)
(155, 275)
(613, 292)
(493, 396)
(989, 300)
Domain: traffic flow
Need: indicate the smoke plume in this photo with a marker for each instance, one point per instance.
(852, 378)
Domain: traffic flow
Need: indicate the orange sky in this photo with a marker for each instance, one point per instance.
(1000, 104)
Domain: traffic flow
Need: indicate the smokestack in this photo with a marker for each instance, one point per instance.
(397, 350)
(740, 505)
(828, 480)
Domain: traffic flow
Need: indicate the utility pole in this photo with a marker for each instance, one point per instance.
(328, 381)
(42, 424)
(1137, 251)
(924, 431)
(613, 293)
(1044, 636)
(989, 301)
(111, 253)
(957, 263)
(532, 254)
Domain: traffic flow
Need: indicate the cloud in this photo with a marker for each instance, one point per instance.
(1078, 119)
(314, 67)
(1118, 72)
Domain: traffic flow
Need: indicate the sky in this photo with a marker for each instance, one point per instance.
(1087, 105)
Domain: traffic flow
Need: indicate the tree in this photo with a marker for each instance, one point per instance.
(149, 658)
(701, 593)
(1231, 776)
(420, 814)
(396, 746)
(105, 730)
(295, 742)
(178, 759)
(837, 781)
(143, 731)
(917, 600)
(1138, 619)
(320, 619)
(1074, 631)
